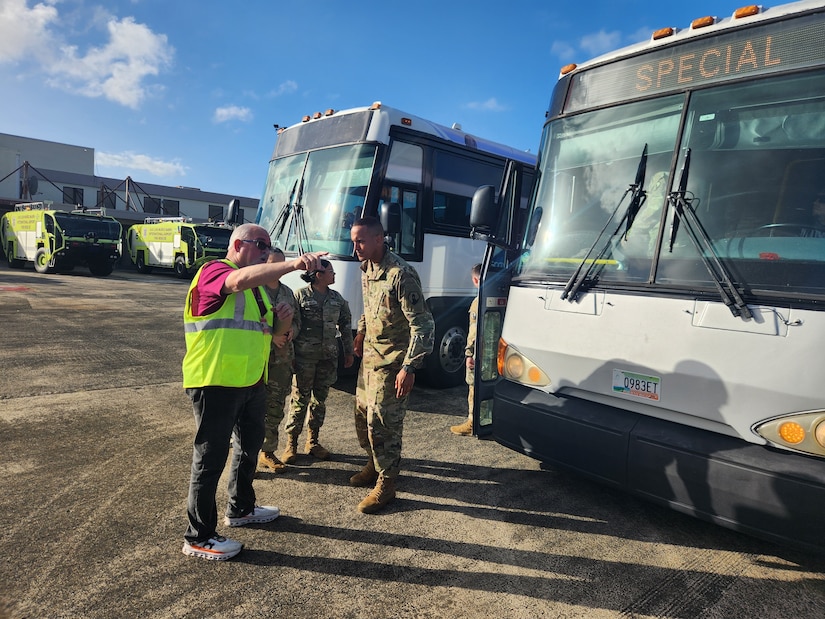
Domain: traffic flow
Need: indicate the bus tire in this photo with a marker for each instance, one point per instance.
(42, 262)
(140, 263)
(180, 267)
(444, 367)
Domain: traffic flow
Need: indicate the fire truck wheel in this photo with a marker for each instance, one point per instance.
(42, 262)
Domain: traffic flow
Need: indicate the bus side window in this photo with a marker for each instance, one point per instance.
(404, 179)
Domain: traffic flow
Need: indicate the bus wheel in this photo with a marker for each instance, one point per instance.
(445, 365)
(180, 267)
(101, 268)
(42, 263)
(141, 265)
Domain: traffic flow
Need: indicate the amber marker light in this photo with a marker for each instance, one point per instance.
(502, 350)
(316, 115)
(746, 11)
(329, 112)
(791, 432)
(407, 122)
(662, 33)
(567, 68)
(702, 22)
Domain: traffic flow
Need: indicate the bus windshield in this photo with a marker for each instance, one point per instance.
(311, 199)
(757, 153)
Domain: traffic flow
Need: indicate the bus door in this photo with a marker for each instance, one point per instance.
(499, 221)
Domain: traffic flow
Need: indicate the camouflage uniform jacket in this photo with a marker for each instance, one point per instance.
(470, 349)
(397, 326)
(286, 353)
(328, 318)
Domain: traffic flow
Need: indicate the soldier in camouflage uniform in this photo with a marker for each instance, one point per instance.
(466, 428)
(324, 313)
(281, 358)
(395, 333)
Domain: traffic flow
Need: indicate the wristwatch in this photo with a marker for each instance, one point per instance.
(408, 369)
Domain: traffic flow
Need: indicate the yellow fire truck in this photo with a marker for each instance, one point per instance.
(176, 243)
(57, 240)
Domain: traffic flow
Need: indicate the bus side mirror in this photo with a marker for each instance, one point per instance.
(390, 217)
(483, 213)
(234, 214)
(533, 228)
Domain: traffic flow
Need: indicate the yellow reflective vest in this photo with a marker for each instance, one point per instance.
(229, 347)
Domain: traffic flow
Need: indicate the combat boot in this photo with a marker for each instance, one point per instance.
(366, 477)
(381, 495)
(313, 447)
(290, 451)
(463, 429)
(268, 460)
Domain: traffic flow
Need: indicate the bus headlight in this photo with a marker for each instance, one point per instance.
(803, 432)
(518, 368)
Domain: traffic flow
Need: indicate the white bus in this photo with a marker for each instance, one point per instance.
(335, 167)
(665, 301)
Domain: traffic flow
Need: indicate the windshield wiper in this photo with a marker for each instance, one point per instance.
(299, 223)
(283, 215)
(683, 211)
(637, 199)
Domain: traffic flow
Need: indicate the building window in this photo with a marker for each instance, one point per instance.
(171, 208)
(151, 205)
(107, 198)
(215, 212)
(73, 196)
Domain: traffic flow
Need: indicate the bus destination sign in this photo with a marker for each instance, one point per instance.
(783, 46)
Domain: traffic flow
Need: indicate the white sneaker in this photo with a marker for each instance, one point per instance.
(261, 513)
(216, 548)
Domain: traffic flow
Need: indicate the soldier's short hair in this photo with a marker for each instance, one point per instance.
(370, 223)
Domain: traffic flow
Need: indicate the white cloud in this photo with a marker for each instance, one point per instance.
(232, 112)
(285, 88)
(23, 29)
(600, 42)
(117, 70)
(490, 105)
(564, 50)
(132, 161)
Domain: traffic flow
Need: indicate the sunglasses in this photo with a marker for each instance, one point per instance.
(261, 245)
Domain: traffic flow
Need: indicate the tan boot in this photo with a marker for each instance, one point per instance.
(313, 447)
(380, 497)
(463, 429)
(366, 477)
(290, 451)
(268, 460)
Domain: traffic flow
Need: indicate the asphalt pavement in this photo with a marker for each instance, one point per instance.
(96, 438)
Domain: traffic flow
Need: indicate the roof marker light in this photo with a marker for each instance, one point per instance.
(407, 122)
(746, 11)
(305, 119)
(329, 112)
(316, 115)
(376, 106)
(567, 68)
(662, 33)
(702, 22)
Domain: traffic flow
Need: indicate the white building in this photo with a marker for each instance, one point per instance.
(38, 171)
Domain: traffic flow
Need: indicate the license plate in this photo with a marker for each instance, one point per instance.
(637, 385)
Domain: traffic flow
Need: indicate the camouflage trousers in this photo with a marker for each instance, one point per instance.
(277, 389)
(379, 418)
(313, 378)
(469, 377)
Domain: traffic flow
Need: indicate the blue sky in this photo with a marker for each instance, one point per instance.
(184, 92)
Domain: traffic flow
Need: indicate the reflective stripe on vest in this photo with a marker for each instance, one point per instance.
(229, 347)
